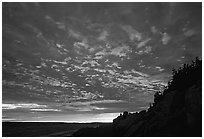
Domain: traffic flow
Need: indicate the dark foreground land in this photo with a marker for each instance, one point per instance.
(43, 129)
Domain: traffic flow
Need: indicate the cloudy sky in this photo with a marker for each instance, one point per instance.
(87, 62)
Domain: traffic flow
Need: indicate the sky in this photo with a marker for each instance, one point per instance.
(88, 62)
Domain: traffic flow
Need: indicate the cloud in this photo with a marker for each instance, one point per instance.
(88, 105)
(75, 34)
(132, 33)
(143, 43)
(165, 38)
(32, 28)
(52, 82)
(139, 81)
(8, 119)
(88, 108)
(159, 68)
(103, 35)
(120, 51)
(100, 54)
(61, 25)
(96, 102)
(22, 105)
(50, 19)
(93, 63)
(139, 73)
(153, 30)
(189, 32)
(40, 110)
(147, 49)
(60, 62)
(84, 44)
(80, 46)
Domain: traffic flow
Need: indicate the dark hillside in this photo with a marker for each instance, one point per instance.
(176, 111)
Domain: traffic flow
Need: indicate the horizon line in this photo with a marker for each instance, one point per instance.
(53, 122)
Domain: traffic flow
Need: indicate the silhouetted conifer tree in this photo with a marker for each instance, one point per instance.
(185, 76)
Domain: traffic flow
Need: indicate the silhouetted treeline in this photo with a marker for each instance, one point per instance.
(185, 76)
(176, 111)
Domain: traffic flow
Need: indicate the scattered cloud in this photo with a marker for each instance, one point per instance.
(93, 63)
(159, 68)
(139, 73)
(33, 28)
(50, 19)
(88, 108)
(132, 33)
(60, 62)
(189, 33)
(103, 35)
(75, 34)
(154, 30)
(61, 25)
(81, 44)
(143, 43)
(165, 38)
(59, 45)
(145, 50)
(120, 51)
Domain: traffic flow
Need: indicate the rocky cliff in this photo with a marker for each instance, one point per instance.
(177, 111)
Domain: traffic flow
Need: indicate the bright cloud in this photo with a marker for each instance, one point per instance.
(45, 110)
(120, 51)
(81, 44)
(22, 105)
(143, 43)
(132, 33)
